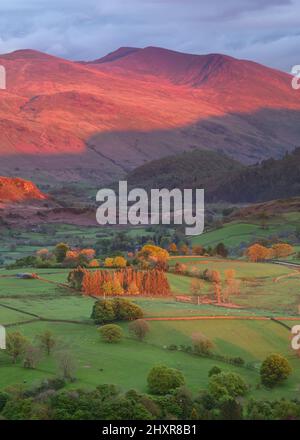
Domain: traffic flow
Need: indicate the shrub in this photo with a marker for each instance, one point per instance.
(139, 328)
(274, 370)
(224, 385)
(162, 380)
(201, 344)
(126, 310)
(103, 312)
(214, 370)
(111, 333)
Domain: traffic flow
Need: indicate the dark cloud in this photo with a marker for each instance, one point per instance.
(267, 31)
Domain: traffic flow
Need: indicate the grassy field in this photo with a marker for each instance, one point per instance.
(264, 286)
(97, 362)
(237, 234)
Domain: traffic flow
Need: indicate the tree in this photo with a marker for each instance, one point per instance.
(232, 285)
(126, 310)
(184, 249)
(16, 345)
(257, 252)
(139, 328)
(47, 341)
(226, 385)
(94, 263)
(111, 333)
(221, 250)
(60, 252)
(231, 409)
(214, 370)
(274, 370)
(32, 356)
(197, 250)
(162, 379)
(154, 255)
(133, 289)
(120, 262)
(66, 365)
(201, 344)
(196, 286)
(173, 249)
(103, 312)
(282, 250)
(108, 262)
(216, 280)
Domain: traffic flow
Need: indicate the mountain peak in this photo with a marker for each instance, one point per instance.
(116, 55)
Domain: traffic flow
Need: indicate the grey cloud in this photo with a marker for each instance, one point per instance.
(266, 31)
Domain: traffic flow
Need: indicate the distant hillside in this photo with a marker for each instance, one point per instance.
(14, 190)
(272, 179)
(223, 178)
(193, 169)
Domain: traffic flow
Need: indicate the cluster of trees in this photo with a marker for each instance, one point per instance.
(223, 289)
(257, 252)
(123, 282)
(29, 354)
(168, 398)
(115, 309)
(219, 250)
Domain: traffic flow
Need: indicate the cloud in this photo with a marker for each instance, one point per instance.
(266, 31)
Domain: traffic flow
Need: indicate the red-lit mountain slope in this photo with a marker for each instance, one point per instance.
(63, 120)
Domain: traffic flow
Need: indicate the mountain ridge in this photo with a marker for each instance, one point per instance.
(96, 121)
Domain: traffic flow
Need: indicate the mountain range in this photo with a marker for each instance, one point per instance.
(63, 121)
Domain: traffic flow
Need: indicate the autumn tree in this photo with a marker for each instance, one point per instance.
(139, 328)
(282, 250)
(196, 286)
(109, 262)
(202, 344)
(217, 284)
(197, 250)
(184, 249)
(173, 249)
(47, 341)
(60, 252)
(120, 262)
(232, 285)
(16, 345)
(257, 252)
(154, 255)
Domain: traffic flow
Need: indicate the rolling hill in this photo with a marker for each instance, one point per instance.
(96, 121)
(223, 179)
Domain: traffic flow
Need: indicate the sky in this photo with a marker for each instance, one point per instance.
(267, 31)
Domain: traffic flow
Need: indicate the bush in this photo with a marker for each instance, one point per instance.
(103, 312)
(139, 328)
(201, 344)
(162, 380)
(225, 385)
(214, 370)
(274, 370)
(126, 310)
(111, 333)
(3, 399)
